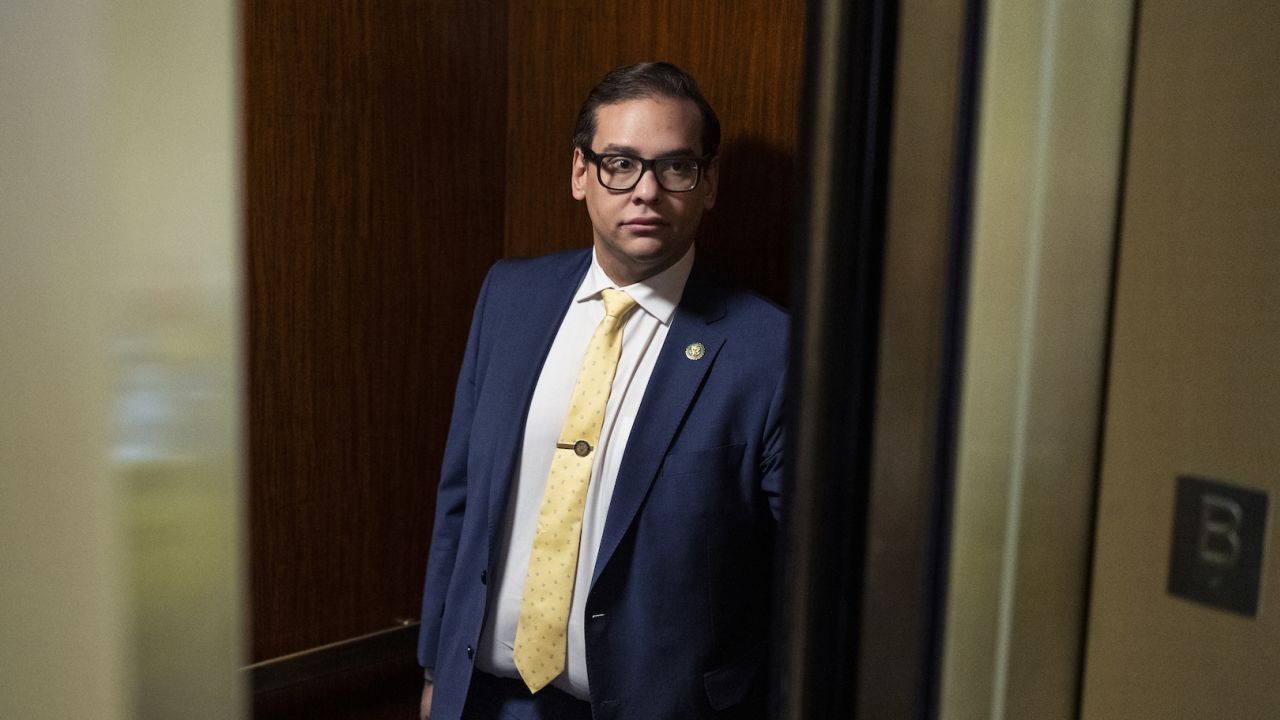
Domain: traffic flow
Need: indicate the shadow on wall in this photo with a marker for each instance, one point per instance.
(748, 233)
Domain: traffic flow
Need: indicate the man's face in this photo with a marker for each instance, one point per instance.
(643, 231)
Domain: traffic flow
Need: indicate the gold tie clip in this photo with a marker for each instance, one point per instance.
(582, 448)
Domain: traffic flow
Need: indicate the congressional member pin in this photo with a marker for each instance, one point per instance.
(695, 351)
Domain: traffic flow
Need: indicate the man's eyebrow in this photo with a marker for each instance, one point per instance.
(628, 150)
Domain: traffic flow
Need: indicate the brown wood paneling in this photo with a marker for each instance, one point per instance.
(749, 61)
(371, 218)
(382, 691)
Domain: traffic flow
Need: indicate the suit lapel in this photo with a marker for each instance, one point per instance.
(672, 387)
(526, 332)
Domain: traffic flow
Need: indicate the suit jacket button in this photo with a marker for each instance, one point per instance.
(484, 577)
(470, 652)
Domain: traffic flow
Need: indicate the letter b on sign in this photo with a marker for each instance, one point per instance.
(1218, 531)
(1220, 519)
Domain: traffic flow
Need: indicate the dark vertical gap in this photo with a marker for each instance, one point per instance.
(835, 347)
(956, 306)
(1108, 349)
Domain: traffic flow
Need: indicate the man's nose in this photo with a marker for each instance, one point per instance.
(647, 190)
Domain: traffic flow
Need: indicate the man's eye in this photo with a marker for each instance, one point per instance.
(680, 165)
(619, 164)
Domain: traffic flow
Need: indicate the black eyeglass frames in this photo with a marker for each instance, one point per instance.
(621, 172)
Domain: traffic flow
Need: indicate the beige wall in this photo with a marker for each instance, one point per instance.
(1195, 376)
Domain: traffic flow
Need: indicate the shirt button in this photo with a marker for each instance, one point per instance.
(484, 577)
(470, 653)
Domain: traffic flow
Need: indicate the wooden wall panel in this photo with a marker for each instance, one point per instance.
(388, 690)
(371, 218)
(748, 59)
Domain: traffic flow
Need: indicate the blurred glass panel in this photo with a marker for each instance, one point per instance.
(120, 518)
(176, 469)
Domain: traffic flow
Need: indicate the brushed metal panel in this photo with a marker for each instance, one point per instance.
(1044, 217)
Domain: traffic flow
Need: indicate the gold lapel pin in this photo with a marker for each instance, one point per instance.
(695, 351)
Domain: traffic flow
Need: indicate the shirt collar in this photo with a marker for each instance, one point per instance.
(657, 295)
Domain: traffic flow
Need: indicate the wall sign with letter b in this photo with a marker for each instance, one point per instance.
(1218, 535)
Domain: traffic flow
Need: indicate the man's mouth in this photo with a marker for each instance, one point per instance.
(644, 222)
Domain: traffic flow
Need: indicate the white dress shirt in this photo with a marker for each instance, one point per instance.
(642, 338)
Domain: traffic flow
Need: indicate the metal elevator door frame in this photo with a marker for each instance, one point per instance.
(946, 189)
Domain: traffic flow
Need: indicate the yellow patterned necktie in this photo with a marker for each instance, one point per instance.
(541, 635)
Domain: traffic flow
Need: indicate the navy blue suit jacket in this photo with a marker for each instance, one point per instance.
(678, 610)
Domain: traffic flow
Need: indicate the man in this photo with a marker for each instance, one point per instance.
(611, 482)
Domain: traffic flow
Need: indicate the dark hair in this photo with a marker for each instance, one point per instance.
(646, 80)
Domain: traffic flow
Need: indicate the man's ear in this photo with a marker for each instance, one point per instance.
(711, 177)
(578, 175)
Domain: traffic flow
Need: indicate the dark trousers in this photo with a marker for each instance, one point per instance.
(495, 698)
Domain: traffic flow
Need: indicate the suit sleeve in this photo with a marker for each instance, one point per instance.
(772, 459)
(451, 496)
